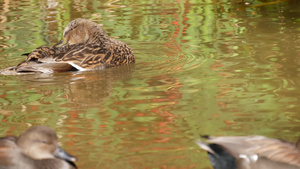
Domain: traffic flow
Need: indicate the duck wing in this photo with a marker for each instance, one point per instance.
(42, 60)
(90, 56)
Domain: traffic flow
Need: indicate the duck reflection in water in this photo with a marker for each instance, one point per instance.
(36, 148)
(84, 46)
(251, 152)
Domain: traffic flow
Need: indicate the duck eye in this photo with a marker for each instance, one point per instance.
(45, 142)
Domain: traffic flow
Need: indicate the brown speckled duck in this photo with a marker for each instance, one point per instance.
(251, 152)
(36, 148)
(84, 46)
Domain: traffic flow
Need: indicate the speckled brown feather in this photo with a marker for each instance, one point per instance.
(85, 46)
(90, 57)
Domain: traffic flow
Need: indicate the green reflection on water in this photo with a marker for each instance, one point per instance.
(203, 67)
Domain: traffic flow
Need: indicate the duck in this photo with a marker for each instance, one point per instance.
(251, 152)
(84, 46)
(36, 148)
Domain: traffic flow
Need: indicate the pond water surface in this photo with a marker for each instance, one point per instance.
(202, 67)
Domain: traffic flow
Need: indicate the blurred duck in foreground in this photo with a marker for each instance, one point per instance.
(84, 46)
(36, 148)
(251, 152)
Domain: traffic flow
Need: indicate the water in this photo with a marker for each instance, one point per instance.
(202, 67)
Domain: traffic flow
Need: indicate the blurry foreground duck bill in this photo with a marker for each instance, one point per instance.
(84, 46)
(251, 152)
(36, 148)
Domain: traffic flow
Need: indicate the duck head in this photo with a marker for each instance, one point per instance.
(82, 31)
(40, 142)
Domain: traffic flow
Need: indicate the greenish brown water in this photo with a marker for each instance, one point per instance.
(202, 67)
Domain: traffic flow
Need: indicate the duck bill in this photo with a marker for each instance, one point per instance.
(61, 43)
(60, 153)
(204, 146)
